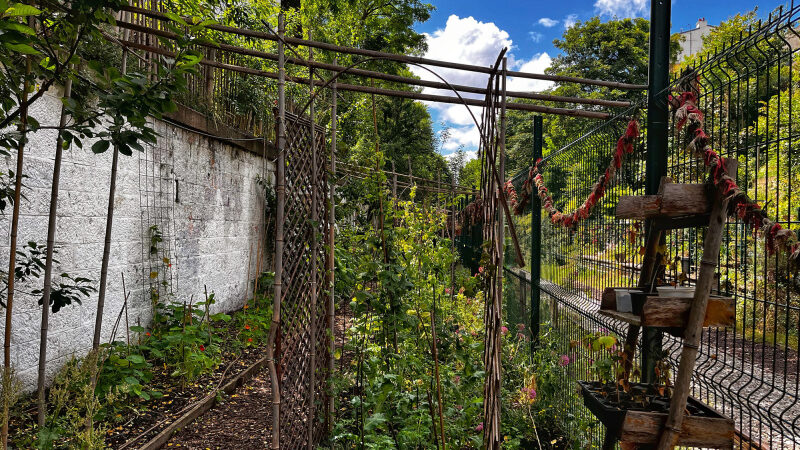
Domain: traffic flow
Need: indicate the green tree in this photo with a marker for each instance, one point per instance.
(616, 50)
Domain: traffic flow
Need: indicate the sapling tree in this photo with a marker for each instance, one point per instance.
(39, 47)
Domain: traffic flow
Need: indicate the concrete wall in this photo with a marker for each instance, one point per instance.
(201, 193)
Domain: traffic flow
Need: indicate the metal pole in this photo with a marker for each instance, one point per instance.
(657, 135)
(331, 248)
(536, 240)
(312, 378)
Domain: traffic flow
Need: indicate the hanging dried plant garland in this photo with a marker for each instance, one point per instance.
(688, 115)
(570, 220)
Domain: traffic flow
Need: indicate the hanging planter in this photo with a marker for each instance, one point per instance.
(639, 415)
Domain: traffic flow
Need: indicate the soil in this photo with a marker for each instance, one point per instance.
(140, 426)
(243, 420)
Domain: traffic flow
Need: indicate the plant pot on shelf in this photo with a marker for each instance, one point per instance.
(640, 417)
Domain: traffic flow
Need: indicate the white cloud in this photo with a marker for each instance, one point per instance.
(467, 136)
(467, 41)
(547, 22)
(537, 64)
(622, 8)
(570, 20)
(470, 41)
(535, 36)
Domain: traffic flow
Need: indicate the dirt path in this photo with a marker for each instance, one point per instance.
(241, 422)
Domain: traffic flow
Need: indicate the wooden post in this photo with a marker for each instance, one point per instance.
(280, 194)
(694, 326)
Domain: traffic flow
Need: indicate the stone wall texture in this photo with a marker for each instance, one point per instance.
(200, 193)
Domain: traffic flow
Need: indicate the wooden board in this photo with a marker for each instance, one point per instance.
(666, 312)
(675, 200)
(684, 200)
(630, 318)
(645, 428)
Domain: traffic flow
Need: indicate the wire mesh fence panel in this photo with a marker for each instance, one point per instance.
(748, 95)
(303, 333)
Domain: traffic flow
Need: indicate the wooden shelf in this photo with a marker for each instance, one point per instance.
(668, 312)
(675, 206)
(630, 318)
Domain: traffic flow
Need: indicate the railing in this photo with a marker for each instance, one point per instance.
(750, 95)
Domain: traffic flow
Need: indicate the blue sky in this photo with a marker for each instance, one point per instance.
(473, 31)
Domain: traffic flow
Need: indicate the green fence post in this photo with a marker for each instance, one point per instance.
(536, 240)
(657, 138)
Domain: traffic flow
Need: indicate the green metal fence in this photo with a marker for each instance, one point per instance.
(750, 95)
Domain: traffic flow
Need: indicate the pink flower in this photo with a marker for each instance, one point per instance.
(459, 407)
(479, 428)
(504, 330)
(457, 379)
(480, 270)
(520, 326)
(529, 392)
(564, 360)
(446, 290)
(521, 336)
(461, 291)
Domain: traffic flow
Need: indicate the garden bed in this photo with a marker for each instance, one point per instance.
(142, 420)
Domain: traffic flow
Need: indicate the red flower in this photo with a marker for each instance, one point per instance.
(147, 334)
(202, 348)
(247, 327)
(249, 339)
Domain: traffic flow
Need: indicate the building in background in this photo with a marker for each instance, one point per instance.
(692, 41)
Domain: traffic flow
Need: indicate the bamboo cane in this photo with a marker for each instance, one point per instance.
(112, 187)
(280, 191)
(12, 254)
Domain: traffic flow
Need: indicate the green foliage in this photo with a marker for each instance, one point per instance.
(75, 407)
(67, 291)
(127, 371)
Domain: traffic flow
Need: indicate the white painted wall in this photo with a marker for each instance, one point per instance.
(210, 230)
(693, 39)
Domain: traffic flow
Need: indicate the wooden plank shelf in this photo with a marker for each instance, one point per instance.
(688, 202)
(650, 310)
(709, 430)
(629, 318)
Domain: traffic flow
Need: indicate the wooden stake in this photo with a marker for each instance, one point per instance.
(112, 187)
(12, 253)
(435, 354)
(280, 192)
